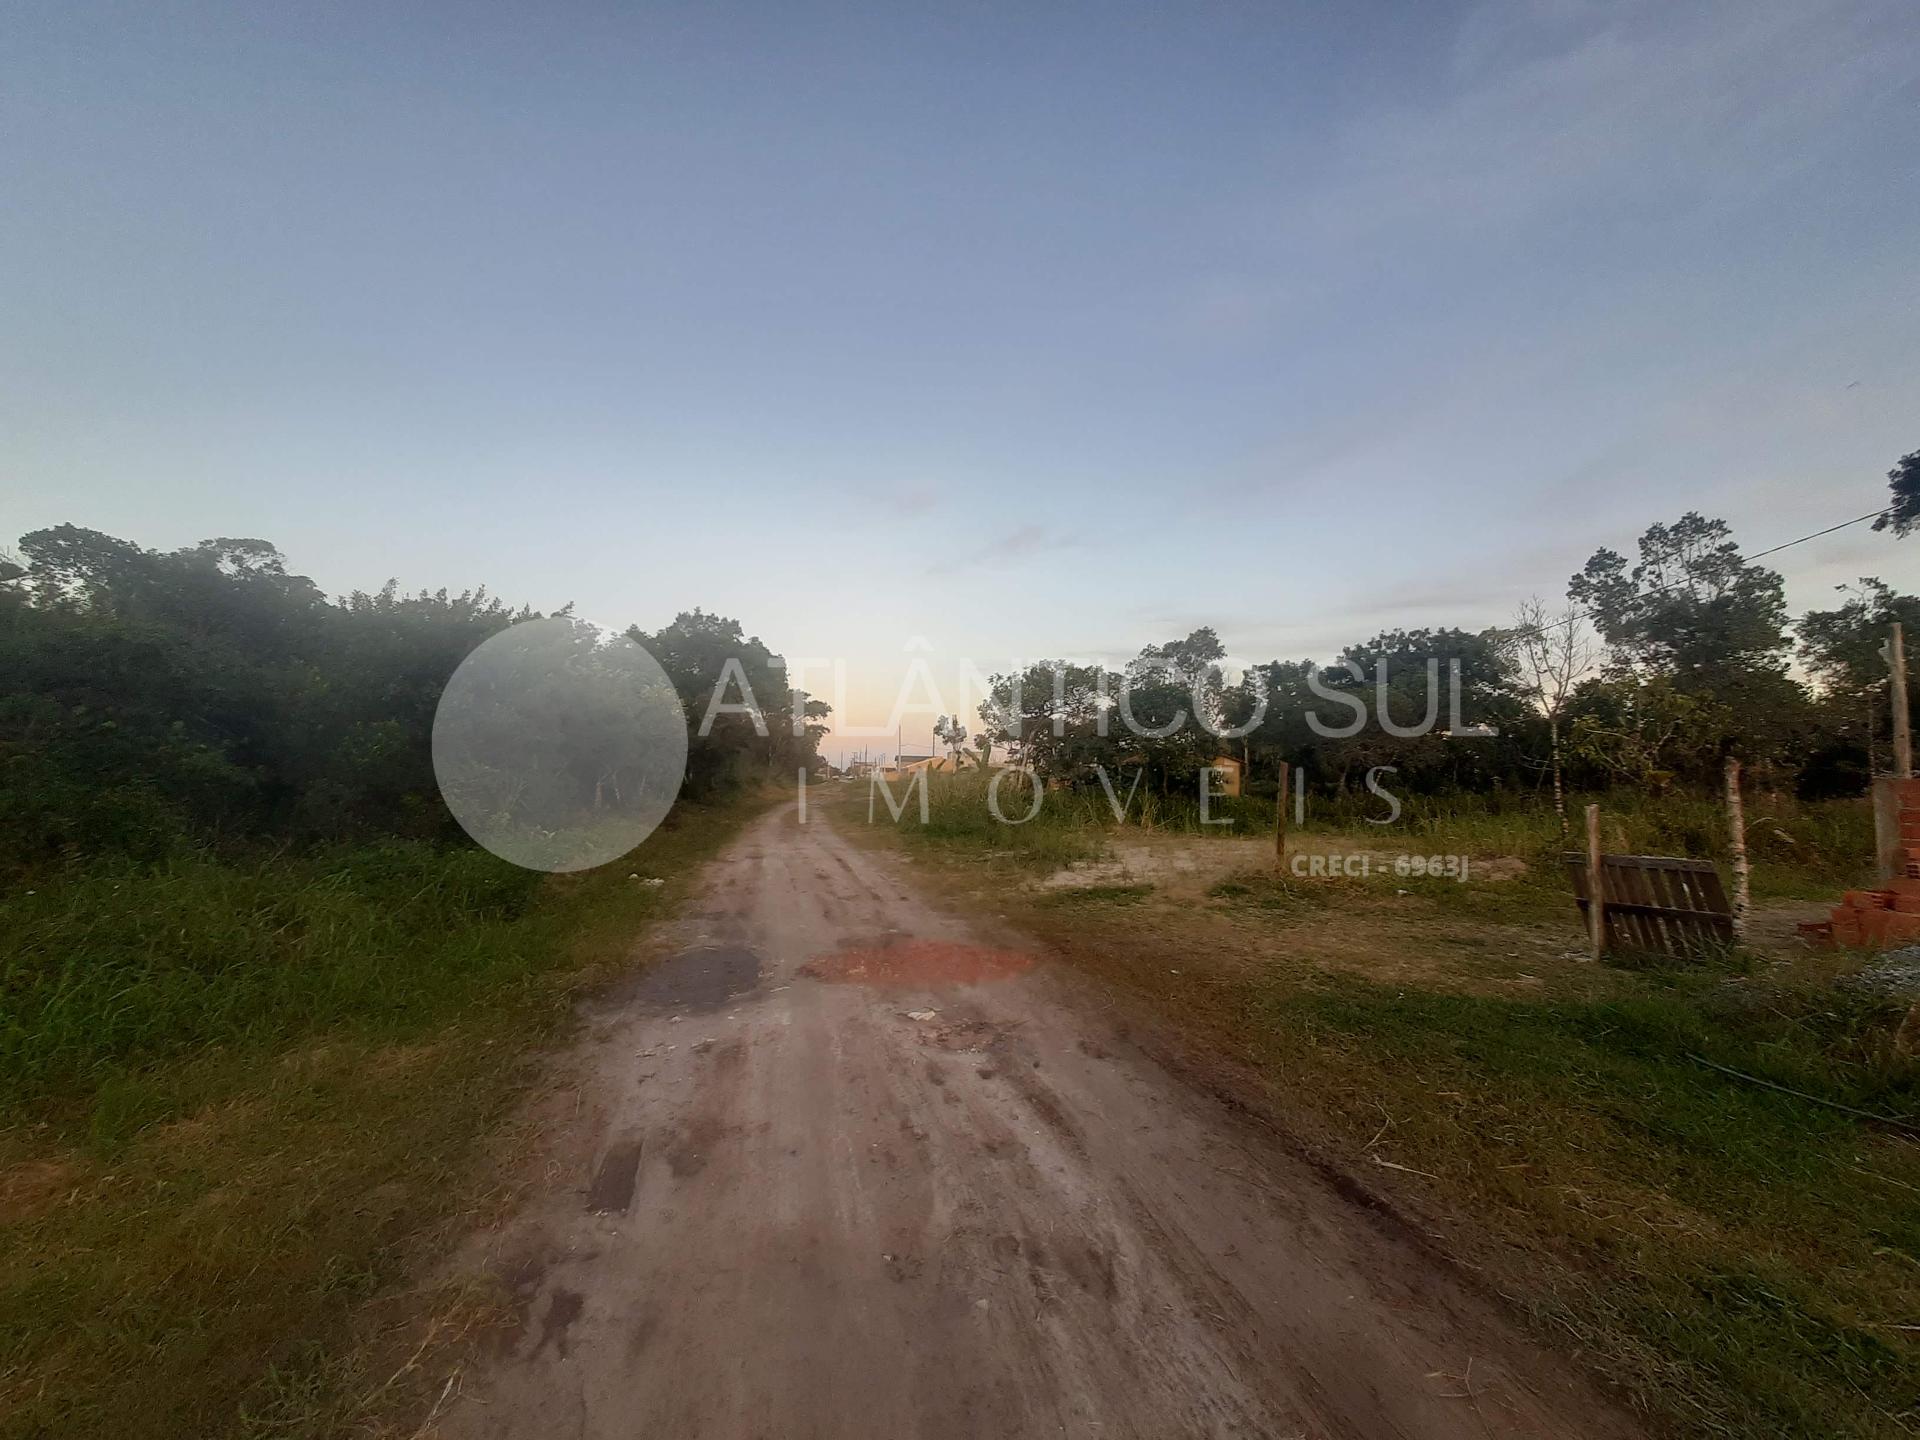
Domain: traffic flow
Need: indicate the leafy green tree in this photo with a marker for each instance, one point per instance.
(1904, 511)
(1695, 614)
(1272, 699)
(1404, 678)
(1842, 650)
(951, 731)
(1056, 718)
(1691, 608)
(354, 752)
(1645, 733)
(1171, 706)
(740, 711)
(149, 699)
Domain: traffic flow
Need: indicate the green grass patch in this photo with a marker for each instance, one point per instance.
(109, 969)
(1742, 1257)
(1064, 830)
(247, 1097)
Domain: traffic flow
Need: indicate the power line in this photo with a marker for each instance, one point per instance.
(1870, 515)
(1574, 619)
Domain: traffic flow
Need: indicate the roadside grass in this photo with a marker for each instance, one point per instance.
(1526, 898)
(110, 969)
(1798, 850)
(1065, 829)
(246, 1099)
(1097, 895)
(1801, 851)
(1741, 1261)
(1742, 1258)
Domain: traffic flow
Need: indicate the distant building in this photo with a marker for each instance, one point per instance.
(1226, 776)
(902, 765)
(959, 763)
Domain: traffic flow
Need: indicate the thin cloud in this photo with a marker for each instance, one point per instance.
(1008, 547)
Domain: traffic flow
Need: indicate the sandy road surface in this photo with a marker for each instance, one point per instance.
(778, 1204)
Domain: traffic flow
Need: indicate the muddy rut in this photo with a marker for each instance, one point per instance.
(846, 1165)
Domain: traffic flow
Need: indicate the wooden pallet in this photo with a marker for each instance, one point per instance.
(1657, 902)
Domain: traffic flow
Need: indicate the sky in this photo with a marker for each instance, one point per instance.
(965, 332)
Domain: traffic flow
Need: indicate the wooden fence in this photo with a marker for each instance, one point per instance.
(1657, 902)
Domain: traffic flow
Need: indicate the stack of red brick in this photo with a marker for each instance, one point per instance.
(1890, 915)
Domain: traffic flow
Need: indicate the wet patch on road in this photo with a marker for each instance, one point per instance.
(522, 1277)
(919, 963)
(705, 978)
(611, 1192)
(562, 1311)
(969, 1035)
(687, 1155)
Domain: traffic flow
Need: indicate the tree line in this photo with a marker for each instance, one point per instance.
(1654, 669)
(210, 695)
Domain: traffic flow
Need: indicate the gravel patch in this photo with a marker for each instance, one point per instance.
(1895, 973)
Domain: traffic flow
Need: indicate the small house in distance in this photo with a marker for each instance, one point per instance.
(1227, 773)
(1225, 779)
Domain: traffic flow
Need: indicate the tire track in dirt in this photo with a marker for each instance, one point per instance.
(832, 1174)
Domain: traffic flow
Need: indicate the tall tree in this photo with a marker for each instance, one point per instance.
(1170, 695)
(1690, 608)
(734, 689)
(1695, 614)
(1057, 718)
(1842, 650)
(1553, 656)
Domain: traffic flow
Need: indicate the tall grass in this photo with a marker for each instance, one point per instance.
(115, 964)
(239, 1098)
(1743, 1258)
(1797, 849)
(1067, 827)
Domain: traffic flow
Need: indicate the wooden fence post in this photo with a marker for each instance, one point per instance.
(1902, 734)
(1280, 821)
(1737, 827)
(1596, 885)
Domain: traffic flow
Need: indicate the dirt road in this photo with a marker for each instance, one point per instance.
(849, 1166)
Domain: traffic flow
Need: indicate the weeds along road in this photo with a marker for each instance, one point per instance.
(849, 1166)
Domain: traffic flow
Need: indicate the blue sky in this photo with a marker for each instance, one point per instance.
(1023, 329)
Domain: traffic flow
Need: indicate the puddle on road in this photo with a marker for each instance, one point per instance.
(701, 979)
(918, 962)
